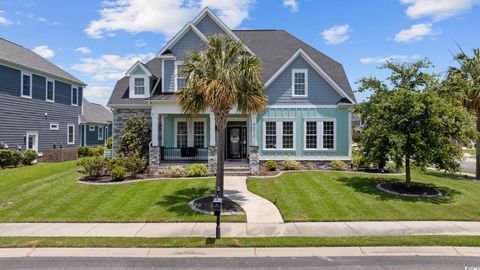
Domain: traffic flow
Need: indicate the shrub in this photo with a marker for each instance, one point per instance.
(93, 167)
(109, 143)
(197, 170)
(16, 158)
(83, 151)
(134, 165)
(135, 137)
(6, 158)
(311, 166)
(339, 165)
(359, 160)
(28, 157)
(270, 165)
(175, 171)
(291, 165)
(118, 173)
(97, 151)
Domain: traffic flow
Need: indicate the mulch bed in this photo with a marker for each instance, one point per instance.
(415, 189)
(206, 204)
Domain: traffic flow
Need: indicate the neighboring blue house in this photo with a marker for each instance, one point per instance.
(40, 103)
(95, 124)
(308, 116)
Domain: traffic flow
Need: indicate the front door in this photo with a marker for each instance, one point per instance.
(32, 141)
(234, 142)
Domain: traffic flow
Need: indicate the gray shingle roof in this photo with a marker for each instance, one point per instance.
(18, 55)
(96, 113)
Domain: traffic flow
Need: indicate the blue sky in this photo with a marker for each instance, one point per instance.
(97, 41)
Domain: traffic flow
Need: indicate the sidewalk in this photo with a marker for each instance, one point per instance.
(389, 228)
(239, 252)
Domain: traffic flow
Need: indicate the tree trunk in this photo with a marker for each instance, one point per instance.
(221, 122)
(477, 147)
(407, 171)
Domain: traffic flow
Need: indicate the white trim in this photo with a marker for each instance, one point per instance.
(98, 133)
(305, 72)
(146, 86)
(47, 80)
(141, 65)
(106, 135)
(306, 158)
(190, 131)
(163, 130)
(54, 124)
(279, 134)
(163, 76)
(25, 73)
(91, 128)
(166, 57)
(180, 34)
(317, 68)
(84, 139)
(71, 95)
(204, 121)
(68, 133)
(320, 134)
(154, 129)
(175, 130)
(35, 144)
(176, 77)
(212, 129)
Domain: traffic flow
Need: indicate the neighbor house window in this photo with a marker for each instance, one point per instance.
(100, 133)
(280, 135)
(299, 82)
(320, 134)
(181, 80)
(53, 126)
(199, 134)
(50, 90)
(26, 85)
(139, 86)
(75, 96)
(70, 134)
(182, 134)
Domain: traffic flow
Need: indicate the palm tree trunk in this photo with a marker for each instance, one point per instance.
(408, 178)
(221, 122)
(477, 146)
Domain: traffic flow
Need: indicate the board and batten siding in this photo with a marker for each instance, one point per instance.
(19, 115)
(298, 115)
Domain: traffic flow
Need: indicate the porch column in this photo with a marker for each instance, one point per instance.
(253, 122)
(155, 129)
(212, 149)
(212, 130)
(163, 130)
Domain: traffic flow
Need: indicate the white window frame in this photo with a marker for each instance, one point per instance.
(35, 133)
(68, 133)
(100, 136)
(71, 95)
(146, 86)
(24, 73)
(320, 134)
(177, 63)
(295, 71)
(46, 90)
(190, 131)
(279, 134)
(91, 128)
(54, 124)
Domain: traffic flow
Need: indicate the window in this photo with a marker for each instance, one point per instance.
(50, 90)
(287, 135)
(53, 126)
(26, 85)
(271, 135)
(182, 134)
(70, 134)
(299, 82)
(181, 80)
(74, 96)
(139, 86)
(91, 128)
(320, 134)
(100, 133)
(279, 135)
(199, 134)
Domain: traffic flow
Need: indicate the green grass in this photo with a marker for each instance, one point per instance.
(340, 196)
(128, 242)
(49, 193)
(470, 151)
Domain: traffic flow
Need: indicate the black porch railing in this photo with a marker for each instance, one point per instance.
(183, 154)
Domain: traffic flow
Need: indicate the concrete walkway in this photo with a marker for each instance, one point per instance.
(242, 229)
(257, 209)
(239, 252)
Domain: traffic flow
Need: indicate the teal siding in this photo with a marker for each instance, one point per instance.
(169, 122)
(299, 115)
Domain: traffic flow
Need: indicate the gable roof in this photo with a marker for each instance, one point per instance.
(95, 113)
(142, 66)
(25, 58)
(276, 47)
(189, 26)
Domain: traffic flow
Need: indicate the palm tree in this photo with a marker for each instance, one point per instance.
(467, 77)
(220, 78)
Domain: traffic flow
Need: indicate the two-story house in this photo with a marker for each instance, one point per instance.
(40, 103)
(308, 116)
(95, 124)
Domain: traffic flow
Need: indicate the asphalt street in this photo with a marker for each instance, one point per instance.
(357, 263)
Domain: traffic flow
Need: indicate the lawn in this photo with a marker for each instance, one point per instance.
(49, 193)
(341, 196)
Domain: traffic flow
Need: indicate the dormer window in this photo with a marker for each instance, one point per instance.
(139, 81)
(139, 86)
(299, 83)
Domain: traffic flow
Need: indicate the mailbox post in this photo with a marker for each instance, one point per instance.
(217, 209)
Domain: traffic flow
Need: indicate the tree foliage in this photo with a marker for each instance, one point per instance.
(135, 137)
(410, 122)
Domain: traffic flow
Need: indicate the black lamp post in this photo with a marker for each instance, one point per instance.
(217, 209)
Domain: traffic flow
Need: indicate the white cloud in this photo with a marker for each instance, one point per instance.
(437, 9)
(292, 4)
(415, 32)
(337, 34)
(162, 16)
(3, 19)
(381, 60)
(140, 43)
(98, 91)
(109, 67)
(44, 51)
(83, 50)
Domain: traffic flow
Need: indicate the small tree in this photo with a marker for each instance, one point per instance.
(135, 137)
(409, 122)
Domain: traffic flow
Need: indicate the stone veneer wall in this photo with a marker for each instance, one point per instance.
(120, 117)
